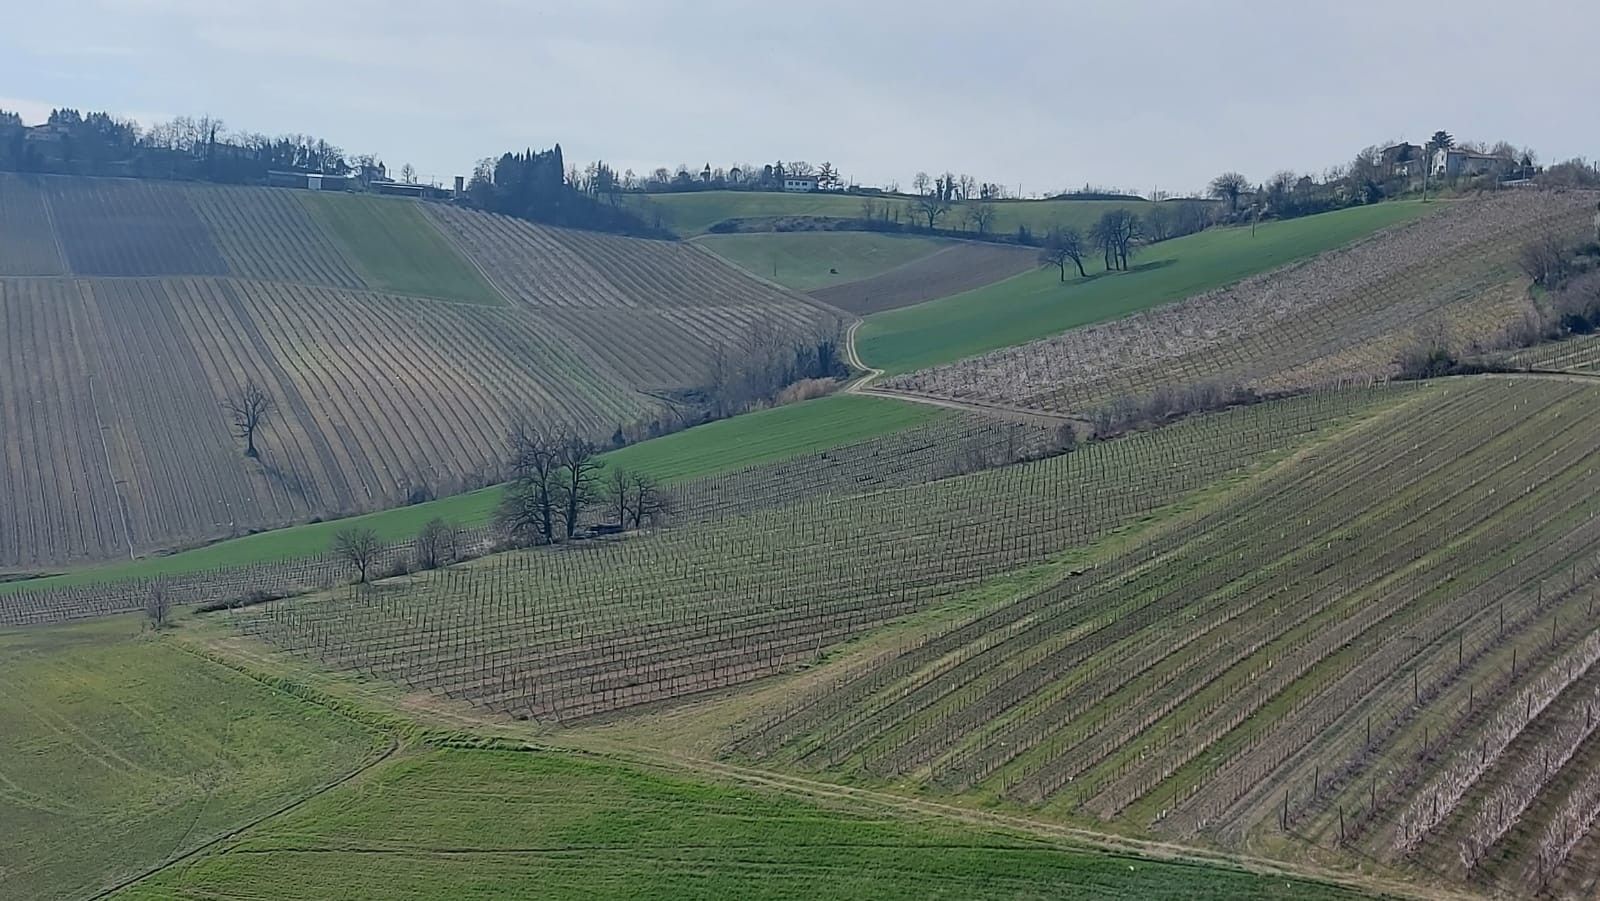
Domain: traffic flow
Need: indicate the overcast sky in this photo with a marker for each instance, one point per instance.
(1140, 94)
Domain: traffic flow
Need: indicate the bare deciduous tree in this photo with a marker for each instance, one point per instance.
(1064, 245)
(436, 544)
(619, 495)
(580, 470)
(158, 605)
(528, 511)
(1544, 259)
(931, 207)
(980, 216)
(648, 503)
(358, 547)
(249, 408)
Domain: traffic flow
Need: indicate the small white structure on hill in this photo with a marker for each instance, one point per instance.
(800, 184)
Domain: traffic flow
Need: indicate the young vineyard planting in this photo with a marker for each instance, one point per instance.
(945, 447)
(1384, 644)
(1346, 314)
(593, 628)
(133, 309)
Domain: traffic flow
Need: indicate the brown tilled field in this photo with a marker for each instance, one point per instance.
(955, 269)
(172, 296)
(1341, 316)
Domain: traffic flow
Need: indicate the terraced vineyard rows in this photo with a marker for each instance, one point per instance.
(601, 627)
(25, 248)
(52, 446)
(130, 227)
(268, 235)
(945, 447)
(1581, 355)
(1341, 316)
(1345, 648)
(617, 295)
(176, 294)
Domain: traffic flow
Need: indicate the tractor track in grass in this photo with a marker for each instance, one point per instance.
(365, 766)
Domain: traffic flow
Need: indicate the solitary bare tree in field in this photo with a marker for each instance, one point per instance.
(249, 409)
(358, 547)
(158, 605)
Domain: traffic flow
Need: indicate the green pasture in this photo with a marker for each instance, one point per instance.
(468, 824)
(397, 249)
(118, 751)
(806, 261)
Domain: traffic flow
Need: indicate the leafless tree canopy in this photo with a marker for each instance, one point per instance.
(1117, 235)
(358, 547)
(556, 473)
(636, 499)
(980, 216)
(436, 544)
(249, 408)
(1064, 245)
(158, 605)
(930, 208)
(580, 471)
(1545, 259)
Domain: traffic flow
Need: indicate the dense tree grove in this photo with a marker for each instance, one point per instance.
(537, 186)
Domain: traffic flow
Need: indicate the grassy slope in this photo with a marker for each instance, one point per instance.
(397, 249)
(706, 450)
(1035, 305)
(495, 824)
(119, 750)
(693, 214)
(801, 260)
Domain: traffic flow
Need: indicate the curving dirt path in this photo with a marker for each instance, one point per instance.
(863, 386)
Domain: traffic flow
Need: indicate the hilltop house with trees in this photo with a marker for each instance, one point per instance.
(800, 184)
(1458, 162)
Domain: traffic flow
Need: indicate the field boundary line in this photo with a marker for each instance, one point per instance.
(373, 723)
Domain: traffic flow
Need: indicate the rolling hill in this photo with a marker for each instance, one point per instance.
(1450, 278)
(397, 339)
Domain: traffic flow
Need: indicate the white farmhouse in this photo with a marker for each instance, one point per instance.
(800, 184)
(1453, 162)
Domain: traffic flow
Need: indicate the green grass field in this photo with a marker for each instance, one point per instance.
(119, 750)
(802, 260)
(707, 450)
(1036, 304)
(468, 824)
(397, 249)
(693, 214)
